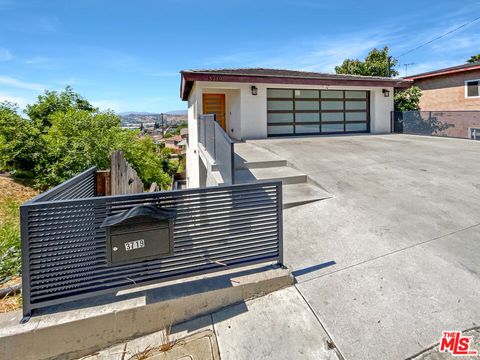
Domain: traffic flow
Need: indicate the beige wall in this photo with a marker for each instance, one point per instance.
(447, 92)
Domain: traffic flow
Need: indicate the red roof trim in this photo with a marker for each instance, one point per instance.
(188, 78)
(447, 71)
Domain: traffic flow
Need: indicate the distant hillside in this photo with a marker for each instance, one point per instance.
(178, 112)
(169, 118)
(135, 113)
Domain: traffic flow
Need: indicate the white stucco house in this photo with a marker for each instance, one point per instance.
(260, 103)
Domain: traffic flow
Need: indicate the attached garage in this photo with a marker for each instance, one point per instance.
(261, 103)
(310, 111)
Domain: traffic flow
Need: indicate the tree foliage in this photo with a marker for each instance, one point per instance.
(474, 59)
(376, 63)
(408, 99)
(52, 102)
(64, 134)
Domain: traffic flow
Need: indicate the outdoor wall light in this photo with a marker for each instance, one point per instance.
(254, 90)
(386, 92)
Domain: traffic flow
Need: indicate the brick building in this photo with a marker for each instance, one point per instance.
(451, 99)
(454, 88)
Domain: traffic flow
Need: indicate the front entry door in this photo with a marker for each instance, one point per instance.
(215, 104)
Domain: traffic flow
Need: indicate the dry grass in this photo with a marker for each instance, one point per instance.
(12, 189)
(10, 302)
(167, 344)
(167, 341)
(12, 194)
(144, 354)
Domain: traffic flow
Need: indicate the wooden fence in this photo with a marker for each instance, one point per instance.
(120, 179)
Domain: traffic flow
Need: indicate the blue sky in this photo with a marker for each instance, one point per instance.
(126, 55)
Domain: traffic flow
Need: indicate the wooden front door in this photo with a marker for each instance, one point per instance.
(215, 104)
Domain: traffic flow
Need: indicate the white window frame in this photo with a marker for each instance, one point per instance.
(466, 89)
(471, 134)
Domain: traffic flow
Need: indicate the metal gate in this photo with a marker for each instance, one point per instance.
(64, 248)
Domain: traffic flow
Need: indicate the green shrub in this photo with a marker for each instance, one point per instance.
(10, 262)
(65, 135)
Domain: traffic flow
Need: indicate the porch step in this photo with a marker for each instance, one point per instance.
(287, 174)
(248, 156)
(299, 194)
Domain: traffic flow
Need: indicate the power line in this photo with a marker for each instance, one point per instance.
(439, 37)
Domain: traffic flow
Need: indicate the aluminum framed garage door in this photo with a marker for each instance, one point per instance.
(302, 112)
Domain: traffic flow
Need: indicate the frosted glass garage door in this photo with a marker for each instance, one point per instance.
(303, 111)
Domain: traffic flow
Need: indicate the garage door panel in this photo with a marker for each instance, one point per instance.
(281, 130)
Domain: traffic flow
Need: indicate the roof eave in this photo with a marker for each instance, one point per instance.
(442, 72)
(188, 78)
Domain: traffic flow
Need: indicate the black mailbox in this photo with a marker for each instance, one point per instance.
(141, 233)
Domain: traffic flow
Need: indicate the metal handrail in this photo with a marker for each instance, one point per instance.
(208, 128)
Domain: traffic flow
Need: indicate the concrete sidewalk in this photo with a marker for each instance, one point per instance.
(279, 325)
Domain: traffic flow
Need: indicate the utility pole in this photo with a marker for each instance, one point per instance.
(163, 128)
(389, 59)
(406, 67)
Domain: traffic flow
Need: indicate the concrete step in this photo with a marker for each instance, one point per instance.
(299, 194)
(287, 174)
(248, 156)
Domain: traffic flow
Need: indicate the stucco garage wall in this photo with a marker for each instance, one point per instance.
(380, 110)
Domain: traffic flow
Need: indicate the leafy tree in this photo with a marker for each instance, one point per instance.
(376, 63)
(142, 154)
(64, 135)
(76, 140)
(21, 145)
(52, 102)
(408, 99)
(474, 59)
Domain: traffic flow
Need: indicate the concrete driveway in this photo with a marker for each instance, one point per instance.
(393, 259)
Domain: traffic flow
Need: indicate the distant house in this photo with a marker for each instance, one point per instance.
(175, 143)
(453, 88)
(184, 133)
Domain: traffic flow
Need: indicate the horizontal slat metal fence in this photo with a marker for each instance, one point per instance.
(64, 248)
(218, 145)
(79, 187)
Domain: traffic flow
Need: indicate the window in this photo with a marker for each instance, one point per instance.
(475, 134)
(305, 111)
(472, 88)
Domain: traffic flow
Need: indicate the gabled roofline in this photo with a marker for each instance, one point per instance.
(190, 76)
(445, 71)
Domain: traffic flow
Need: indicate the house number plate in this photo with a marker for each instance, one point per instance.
(136, 244)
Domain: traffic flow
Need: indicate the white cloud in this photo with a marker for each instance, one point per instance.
(5, 55)
(19, 84)
(108, 105)
(153, 104)
(319, 55)
(37, 60)
(20, 101)
(429, 66)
